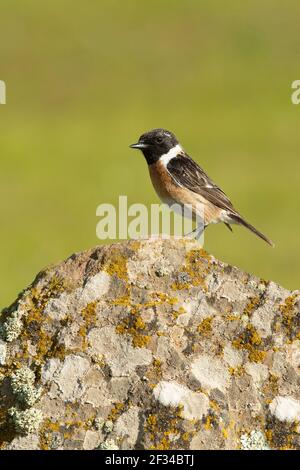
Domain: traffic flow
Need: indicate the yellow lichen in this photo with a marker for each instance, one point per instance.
(135, 245)
(270, 387)
(257, 356)
(36, 323)
(154, 373)
(177, 313)
(70, 421)
(152, 421)
(164, 298)
(213, 404)
(123, 301)
(196, 267)
(116, 411)
(282, 436)
(288, 307)
(205, 327)
(233, 317)
(116, 264)
(252, 305)
(140, 341)
(48, 427)
(289, 312)
(164, 444)
(179, 412)
(89, 316)
(134, 325)
(224, 432)
(269, 435)
(139, 323)
(236, 371)
(161, 428)
(208, 423)
(251, 341)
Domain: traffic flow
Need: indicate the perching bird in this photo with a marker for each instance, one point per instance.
(177, 179)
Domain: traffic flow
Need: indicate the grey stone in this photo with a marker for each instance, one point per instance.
(150, 344)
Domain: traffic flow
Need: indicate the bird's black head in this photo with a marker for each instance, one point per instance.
(155, 143)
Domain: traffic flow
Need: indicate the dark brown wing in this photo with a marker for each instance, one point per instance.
(188, 174)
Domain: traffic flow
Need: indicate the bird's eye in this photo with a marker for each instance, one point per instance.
(159, 140)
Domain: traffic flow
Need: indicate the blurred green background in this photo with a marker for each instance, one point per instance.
(85, 79)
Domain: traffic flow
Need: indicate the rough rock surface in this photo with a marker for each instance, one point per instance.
(150, 344)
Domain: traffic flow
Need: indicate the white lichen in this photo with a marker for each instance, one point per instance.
(95, 288)
(162, 270)
(170, 393)
(108, 445)
(12, 327)
(195, 404)
(27, 421)
(3, 350)
(211, 372)
(256, 440)
(70, 377)
(98, 423)
(23, 386)
(108, 426)
(285, 409)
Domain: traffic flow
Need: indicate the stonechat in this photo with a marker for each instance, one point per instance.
(178, 179)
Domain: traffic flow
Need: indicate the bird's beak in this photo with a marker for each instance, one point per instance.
(138, 145)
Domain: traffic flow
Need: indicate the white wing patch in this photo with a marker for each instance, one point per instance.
(172, 153)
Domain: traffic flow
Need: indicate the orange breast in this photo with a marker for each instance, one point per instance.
(161, 180)
(170, 193)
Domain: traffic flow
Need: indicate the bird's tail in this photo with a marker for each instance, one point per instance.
(239, 220)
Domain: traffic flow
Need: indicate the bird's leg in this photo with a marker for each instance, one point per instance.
(197, 232)
(190, 234)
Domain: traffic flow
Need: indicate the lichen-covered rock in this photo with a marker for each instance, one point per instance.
(151, 344)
